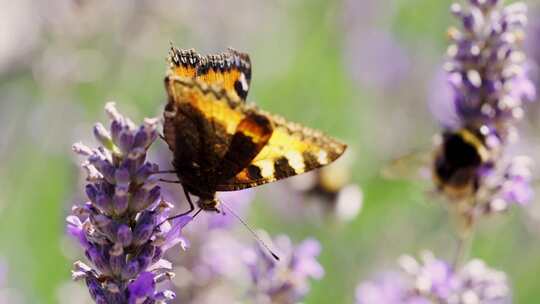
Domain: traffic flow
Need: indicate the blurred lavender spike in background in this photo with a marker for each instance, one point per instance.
(212, 270)
(118, 228)
(487, 73)
(431, 280)
(375, 57)
(486, 66)
(285, 281)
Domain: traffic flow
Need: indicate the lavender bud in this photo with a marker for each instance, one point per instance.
(145, 171)
(131, 270)
(91, 192)
(144, 198)
(91, 172)
(136, 156)
(120, 200)
(141, 138)
(94, 255)
(116, 128)
(153, 195)
(103, 202)
(145, 257)
(122, 177)
(81, 149)
(144, 228)
(112, 112)
(124, 235)
(103, 166)
(103, 136)
(125, 141)
(116, 250)
(102, 221)
(117, 263)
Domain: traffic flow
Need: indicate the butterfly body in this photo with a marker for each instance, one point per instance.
(222, 143)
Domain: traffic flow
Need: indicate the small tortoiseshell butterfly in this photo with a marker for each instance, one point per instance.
(222, 143)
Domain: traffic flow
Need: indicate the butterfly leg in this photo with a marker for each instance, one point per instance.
(191, 205)
(191, 208)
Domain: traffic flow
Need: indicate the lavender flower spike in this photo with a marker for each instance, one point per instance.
(487, 73)
(285, 281)
(487, 67)
(118, 227)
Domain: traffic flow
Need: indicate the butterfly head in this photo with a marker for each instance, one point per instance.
(209, 204)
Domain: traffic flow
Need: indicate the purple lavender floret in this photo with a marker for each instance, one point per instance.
(431, 280)
(287, 280)
(487, 67)
(123, 228)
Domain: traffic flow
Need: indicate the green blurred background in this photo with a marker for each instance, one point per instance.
(362, 70)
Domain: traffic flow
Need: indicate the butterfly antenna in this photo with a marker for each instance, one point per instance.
(253, 233)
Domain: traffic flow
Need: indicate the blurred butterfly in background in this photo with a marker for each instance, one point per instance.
(221, 142)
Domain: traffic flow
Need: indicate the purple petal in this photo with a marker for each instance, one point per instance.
(519, 191)
(174, 235)
(144, 286)
(309, 247)
(75, 229)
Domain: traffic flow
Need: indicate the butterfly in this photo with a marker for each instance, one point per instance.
(219, 141)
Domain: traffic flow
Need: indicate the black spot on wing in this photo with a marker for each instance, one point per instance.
(310, 161)
(254, 172)
(239, 88)
(252, 134)
(282, 168)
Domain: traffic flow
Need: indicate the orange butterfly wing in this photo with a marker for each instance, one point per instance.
(230, 69)
(248, 147)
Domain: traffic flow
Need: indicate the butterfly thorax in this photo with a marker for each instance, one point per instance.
(209, 204)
